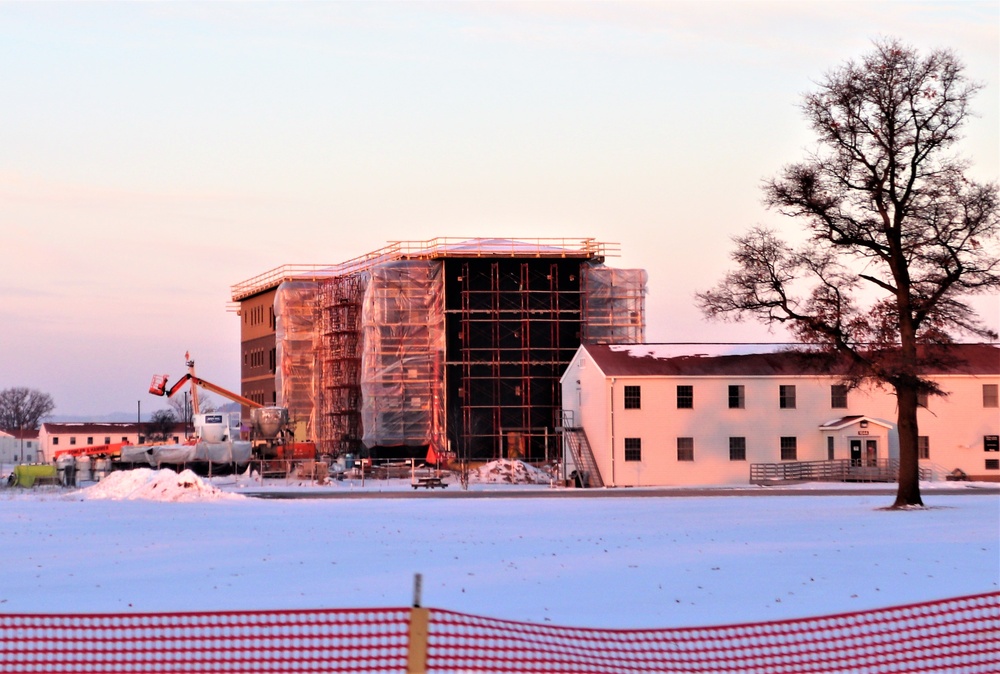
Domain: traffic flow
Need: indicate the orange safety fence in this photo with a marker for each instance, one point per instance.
(960, 636)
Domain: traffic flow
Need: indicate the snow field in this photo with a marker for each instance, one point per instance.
(619, 562)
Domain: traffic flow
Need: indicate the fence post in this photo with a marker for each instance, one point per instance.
(416, 656)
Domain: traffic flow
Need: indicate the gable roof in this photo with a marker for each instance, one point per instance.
(24, 434)
(844, 422)
(760, 360)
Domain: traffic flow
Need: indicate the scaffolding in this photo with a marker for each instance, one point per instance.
(513, 325)
(340, 359)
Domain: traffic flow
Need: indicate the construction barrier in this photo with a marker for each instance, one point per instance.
(960, 636)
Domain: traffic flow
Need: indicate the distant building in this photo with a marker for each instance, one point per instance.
(703, 414)
(19, 447)
(449, 344)
(53, 436)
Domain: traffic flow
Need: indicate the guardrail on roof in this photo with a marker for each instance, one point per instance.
(429, 249)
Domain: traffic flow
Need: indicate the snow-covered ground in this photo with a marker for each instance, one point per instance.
(156, 541)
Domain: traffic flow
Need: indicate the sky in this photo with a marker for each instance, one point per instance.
(155, 154)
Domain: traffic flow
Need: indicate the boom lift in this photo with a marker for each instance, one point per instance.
(158, 387)
(270, 437)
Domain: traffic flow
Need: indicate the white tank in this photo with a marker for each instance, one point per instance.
(212, 426)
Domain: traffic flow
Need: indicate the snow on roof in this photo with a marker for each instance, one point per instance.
(697, 349)
(763, 359)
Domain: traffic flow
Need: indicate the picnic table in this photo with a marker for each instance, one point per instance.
(429, 483)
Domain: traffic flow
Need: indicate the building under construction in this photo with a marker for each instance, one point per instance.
(451, 345)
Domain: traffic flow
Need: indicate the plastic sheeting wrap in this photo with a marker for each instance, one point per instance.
(297, 344)
(237, 451)
(614, 304)
(402, 380)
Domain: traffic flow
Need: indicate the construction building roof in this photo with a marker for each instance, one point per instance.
(431, 249)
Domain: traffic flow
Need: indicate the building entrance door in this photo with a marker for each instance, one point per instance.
(855, 452)
(871, 452)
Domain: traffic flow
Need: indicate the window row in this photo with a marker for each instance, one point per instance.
(256, 315)
(255, 358)
(788, 446)
(786, 396)
(90, 440)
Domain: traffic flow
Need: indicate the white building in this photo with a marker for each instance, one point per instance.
(19, 447)
(690, 414)
(54, 436)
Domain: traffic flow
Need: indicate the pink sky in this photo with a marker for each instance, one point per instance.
(156, 153)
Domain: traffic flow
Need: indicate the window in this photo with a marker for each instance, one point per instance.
(685, 397)
(176, 439)
(737, 397)
(737, 449)
(786, 397)
(633, 448)
(72, 440)
(829, 448)
(633, 397)
(124, 439)
(922, 399)
(107, 439)
(789, 448)
(990, 396)
(923, 447)
(55, 441)
(685, 449)
(838, 396)
(992, 464)
(90, 439)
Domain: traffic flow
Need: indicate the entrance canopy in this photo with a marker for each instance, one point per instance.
(855, 419)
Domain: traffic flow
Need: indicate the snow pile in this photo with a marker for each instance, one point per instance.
(155, 485)
(510, 471)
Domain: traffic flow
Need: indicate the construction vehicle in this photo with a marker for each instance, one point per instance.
(270, 439)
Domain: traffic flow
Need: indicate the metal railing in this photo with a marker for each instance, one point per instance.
(838, 470)
(439, 247)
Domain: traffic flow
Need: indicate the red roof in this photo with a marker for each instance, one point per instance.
(25, 434)
(105, 428)
(761, 360)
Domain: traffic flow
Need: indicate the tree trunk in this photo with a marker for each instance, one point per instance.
(908, 493)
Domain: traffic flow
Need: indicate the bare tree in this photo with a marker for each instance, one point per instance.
(897, 233)
(161, 425)
(206, 404)
(23, 408)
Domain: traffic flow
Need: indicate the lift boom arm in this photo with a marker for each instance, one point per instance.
(159, 388)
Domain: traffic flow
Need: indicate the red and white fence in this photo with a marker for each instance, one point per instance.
(960, 636)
